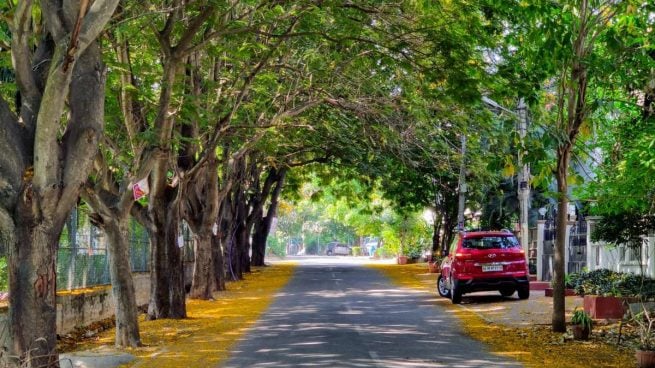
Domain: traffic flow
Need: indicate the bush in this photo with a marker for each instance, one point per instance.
(357, 251)
(276, 246)
(610, 283)
(414, 252)
(383, 252)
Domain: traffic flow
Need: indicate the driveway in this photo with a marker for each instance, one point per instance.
(335, 312)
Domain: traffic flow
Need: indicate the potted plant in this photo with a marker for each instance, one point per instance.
(581, 324)
(645, 353)
(605, 292)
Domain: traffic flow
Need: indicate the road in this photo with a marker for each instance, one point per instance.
(337, 313)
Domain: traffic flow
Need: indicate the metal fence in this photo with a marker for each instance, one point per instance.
(82, 259)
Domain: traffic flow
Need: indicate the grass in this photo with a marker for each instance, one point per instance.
(213, 327)
(534, 346)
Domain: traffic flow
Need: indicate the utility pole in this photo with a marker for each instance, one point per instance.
(523, 178)
(462, 187)
(524, 173)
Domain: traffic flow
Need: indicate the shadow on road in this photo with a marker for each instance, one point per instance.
(349, 316)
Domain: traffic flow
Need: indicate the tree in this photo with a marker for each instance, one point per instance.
(625, 122)
(590, 20)
(58, 68)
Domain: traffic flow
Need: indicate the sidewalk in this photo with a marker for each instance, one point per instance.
(492, 307)
(512, 312)
(520, 328)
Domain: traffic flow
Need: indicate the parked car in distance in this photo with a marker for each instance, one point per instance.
(484, 261)
(338, 249)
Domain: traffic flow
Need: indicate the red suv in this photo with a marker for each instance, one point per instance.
(483, 261)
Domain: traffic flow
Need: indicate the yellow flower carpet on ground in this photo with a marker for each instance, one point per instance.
(534, 346)
(213, 327)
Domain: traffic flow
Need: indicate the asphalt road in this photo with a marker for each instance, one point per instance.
(337, 313)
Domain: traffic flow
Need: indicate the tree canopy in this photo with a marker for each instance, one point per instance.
(356, 115)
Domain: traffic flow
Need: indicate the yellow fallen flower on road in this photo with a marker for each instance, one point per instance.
(534, 346)
(212, 328)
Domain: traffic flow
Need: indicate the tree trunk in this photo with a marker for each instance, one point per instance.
(237, 249)
(120, 271)
(436, 236)
(204, 282)
(558, 320)
(449, 221)
(227, 224)
(219, 262)
(237, 241)
(167, 294)
(201, 211)
(49, 191)
(259, 243)
(32, 286)
(246, 248)
(576, 92)
(41, 170)
(263, 226)
(245, 256)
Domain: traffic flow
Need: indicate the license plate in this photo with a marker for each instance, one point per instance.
(492, 268)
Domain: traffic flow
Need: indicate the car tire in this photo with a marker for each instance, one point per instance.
(455, 293)
(506, 292)
(329, 253)
(524, 292)
(441, 287)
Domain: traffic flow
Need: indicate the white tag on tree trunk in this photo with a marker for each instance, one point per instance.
(140, 189)
(215, 229)
(180, 241)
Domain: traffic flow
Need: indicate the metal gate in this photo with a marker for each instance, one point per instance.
(577, 247)
(546, 258)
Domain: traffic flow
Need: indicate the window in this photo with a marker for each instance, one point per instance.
(491, 242)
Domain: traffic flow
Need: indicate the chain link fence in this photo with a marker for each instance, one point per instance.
(82, 259)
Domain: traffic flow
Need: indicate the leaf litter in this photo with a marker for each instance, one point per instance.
(534, 346)
(212, 328)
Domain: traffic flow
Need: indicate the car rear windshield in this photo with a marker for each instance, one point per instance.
(491, 242)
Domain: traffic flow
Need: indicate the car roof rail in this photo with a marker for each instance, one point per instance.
(507, 231)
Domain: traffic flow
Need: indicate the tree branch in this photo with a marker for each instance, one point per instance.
(94, 22)
(172, 18)
(13, 158)
(73, 43)
(51, 11)
(181, 49)
(7, 228)
(21, 54)
(80, 141)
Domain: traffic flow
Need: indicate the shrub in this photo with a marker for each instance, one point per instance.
(276, 246)
(608, 282)
(357, 251)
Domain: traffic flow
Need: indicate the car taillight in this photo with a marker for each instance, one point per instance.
(463, 256)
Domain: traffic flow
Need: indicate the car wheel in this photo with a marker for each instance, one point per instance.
(524, 292)
(441, 288)
(329, 253)
(506, 292)
(455, 293)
